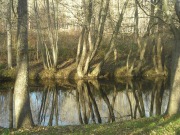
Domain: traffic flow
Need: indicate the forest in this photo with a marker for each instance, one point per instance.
(86, 41)
(91, 39)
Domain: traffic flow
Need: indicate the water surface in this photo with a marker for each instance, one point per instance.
(86, 102)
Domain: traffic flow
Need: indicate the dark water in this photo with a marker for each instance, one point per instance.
(86, 102)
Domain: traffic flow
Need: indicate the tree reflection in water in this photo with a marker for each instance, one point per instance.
(87, 106)
(48, 107)
(90, 101)
(10, 95)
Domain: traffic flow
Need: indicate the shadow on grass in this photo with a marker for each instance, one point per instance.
(155, 125)
(161, 124)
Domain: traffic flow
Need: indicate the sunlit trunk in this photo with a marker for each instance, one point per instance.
(87, 47)
(53, 30)
(96, 71)
(9, 34)
(140, 61)
(49, 48)
(40, 43)
(158, 61)
(23, 116)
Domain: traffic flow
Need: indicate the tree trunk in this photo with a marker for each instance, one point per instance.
(141, 61)
(53, 30)
(23, 116)
(174, 101)
(150, 28)
(159, 62)
(136, 19)
(96, 71)
(159, 46)
(87, 48)
(9, 34)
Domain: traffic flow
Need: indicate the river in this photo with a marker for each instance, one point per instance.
(88, 101)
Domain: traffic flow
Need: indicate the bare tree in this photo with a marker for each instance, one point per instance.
(112, 44)
(47, 33)
(23, 116)
(89, 40)
(53, 29)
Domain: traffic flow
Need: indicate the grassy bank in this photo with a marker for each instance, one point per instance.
(36, 72)
(161, 125)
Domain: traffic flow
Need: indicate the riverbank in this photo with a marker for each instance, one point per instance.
(66, 67)
(160, 125)
(67, 70)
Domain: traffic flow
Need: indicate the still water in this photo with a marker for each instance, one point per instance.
(86, 102)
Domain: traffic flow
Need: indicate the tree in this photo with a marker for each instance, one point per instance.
(49, 48)
(53, 25)
(174, 102)
(91, 37)
(112, 44)
(23, 116)
(177, 9)
(153, 35)
(158, 48)
(9, 34)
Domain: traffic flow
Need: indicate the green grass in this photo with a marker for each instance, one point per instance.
(155, 126)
